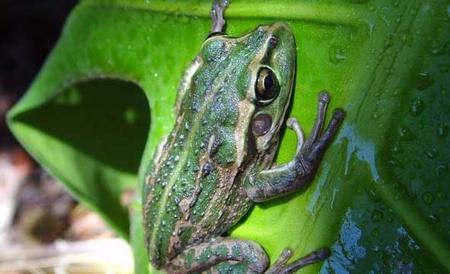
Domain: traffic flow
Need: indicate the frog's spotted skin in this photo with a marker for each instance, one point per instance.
(197, 175)
(217, 160)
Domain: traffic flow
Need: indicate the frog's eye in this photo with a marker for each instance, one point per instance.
(267, 86)
(261, 124)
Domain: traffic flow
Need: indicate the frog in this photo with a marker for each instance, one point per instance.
(218, 160)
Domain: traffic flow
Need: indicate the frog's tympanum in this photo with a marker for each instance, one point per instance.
(218, 160)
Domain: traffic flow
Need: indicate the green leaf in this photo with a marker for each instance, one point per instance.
(104, 98)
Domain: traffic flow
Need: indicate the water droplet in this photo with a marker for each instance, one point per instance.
(375, 232)
(436, 51)
(424, 81)
(442, 130)
(377, 215)
(397, 91)
(417, 164)
(184, 19)
(395, 163)
(396, 148)
(432, 153)
(388, 43)
(406, 134)
(441, 170)
(130, 115)
(428, 198)
(420, 124)
(337, 54)
(441, 195)
(434, 218)
(400, 191)
(417, 106)
(444, 68)
(164, 16)
(406, 38)
(373, 193)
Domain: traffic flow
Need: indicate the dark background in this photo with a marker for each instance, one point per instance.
(42, 211)
(28, 31)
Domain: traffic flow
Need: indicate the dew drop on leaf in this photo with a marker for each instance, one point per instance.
(337, 55)
(417, 164)
(406, 134)
(377, 216)
(432, 153)
(375, 232)
(442, 130)
(396, 148)
(424, 81)
(441, 195)
(441, 170)
(444, 68)
(417, 107)
(428, 198)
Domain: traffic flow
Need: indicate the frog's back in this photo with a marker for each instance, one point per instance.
(194, 188)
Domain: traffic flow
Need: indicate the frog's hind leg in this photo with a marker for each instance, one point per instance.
(282, 267)
(222, 255)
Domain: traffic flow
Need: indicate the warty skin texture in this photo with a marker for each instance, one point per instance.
(195, 189)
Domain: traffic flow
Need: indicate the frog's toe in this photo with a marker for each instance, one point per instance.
(280, 267)
(324, 96)
(339, 114)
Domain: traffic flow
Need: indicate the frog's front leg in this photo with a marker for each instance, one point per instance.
(281, 180)
(221, 255)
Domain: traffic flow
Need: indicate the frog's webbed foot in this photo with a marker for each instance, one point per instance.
(282, 267)
(217, 16)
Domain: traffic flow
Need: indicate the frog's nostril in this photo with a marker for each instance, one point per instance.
(273, 41)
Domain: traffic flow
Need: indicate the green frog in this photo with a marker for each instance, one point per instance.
(218, 159)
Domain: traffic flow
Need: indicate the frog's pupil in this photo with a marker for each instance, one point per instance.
(261, 124)
(268, 84)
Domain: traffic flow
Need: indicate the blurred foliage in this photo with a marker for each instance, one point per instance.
(103, 100)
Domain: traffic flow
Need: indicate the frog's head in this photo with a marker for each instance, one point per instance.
(251, 78)
(272, 79)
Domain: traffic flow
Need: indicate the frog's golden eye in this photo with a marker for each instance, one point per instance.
(267, 86)
(261, 124)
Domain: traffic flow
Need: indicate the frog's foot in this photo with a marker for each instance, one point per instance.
(282, 267)
(218, 20)
(299, 172)
(311, 152)
(223, 255)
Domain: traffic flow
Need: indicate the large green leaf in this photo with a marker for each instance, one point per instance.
(381, 196)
